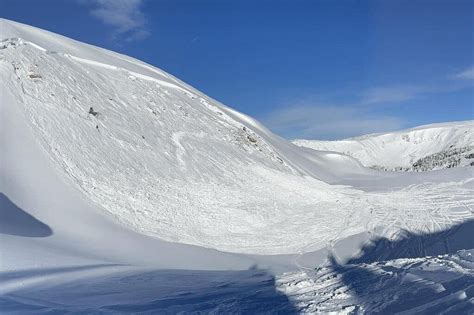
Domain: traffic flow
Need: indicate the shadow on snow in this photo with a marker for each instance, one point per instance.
(15, 221)
(156, 291)
(382, 285)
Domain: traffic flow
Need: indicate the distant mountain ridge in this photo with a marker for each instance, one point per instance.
(423, 148)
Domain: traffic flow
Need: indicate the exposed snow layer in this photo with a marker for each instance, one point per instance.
(400, 149)
(90, 138)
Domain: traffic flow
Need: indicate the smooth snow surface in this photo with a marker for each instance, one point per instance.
(116, 175)
(401, 148)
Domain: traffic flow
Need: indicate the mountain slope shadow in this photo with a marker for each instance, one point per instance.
(16, 221)
(407, 275)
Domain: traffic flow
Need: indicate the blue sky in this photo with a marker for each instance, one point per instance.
(306, 69)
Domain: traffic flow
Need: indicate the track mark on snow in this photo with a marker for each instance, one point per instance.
(180, 152)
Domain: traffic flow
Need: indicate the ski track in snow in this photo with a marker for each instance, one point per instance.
(177, 137)
(424, 207)
(420, 208)
(379, 287)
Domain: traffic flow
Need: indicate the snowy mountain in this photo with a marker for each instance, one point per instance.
(450, 144)
(117, 175)
(107, 120)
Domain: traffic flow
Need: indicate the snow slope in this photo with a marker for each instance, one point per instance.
(207, 175)
(116, 175)
(401, 149)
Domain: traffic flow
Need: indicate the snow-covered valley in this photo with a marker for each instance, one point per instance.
(123, 189)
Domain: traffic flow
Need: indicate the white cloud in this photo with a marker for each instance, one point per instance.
(467, 74)
(125, 16)
(390, 94)
(328, 122)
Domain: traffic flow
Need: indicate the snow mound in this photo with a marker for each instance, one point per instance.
(406, 149)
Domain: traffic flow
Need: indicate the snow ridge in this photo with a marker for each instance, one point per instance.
(402, 149)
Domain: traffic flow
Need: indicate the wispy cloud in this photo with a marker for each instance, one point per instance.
(401, 93)
(313, 121)
(467, 74)
(125, 16)
(390, 94)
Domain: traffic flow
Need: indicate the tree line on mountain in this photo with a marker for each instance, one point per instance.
(450, 158)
